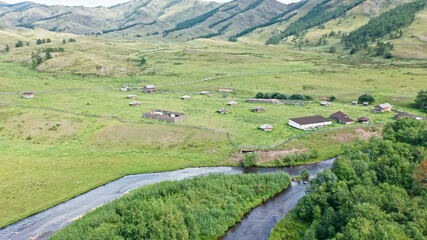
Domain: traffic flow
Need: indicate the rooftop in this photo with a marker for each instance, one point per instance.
(150, 86)
(266, 126)
(342, 117)
(385, 105)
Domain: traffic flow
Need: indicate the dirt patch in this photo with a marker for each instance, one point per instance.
(360, 133)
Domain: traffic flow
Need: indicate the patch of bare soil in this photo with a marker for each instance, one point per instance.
(360, 133)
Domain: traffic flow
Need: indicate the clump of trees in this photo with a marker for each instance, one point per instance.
(198, 208)
(282, 96)
(421, 99)
(250, 159)
(43, 41)
(372, 191)
(367, 98)
(292, 159)
(38, 58)
(19, 44)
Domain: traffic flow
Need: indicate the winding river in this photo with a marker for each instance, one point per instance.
(255, 225)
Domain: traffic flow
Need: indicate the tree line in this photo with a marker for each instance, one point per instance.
(318, 15)
(386, 23)
(198, 208)
(281, 96)
(375, 190)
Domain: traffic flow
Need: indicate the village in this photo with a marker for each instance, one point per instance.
(323, 113)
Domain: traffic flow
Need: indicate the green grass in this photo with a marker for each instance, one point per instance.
(46, 153)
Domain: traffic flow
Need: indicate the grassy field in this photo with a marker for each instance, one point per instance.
(49, 156)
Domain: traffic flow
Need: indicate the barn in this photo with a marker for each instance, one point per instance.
(310, 122)
(342, 118)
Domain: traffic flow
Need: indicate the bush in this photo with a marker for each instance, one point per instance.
(332, 98)
(305, 174)
(332, 50)
(388, 55)
(367, 98)
(250, 159)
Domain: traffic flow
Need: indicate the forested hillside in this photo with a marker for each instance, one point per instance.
(375, 190)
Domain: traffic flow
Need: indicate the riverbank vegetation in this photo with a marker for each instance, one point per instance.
(373, 190)
(199, 208)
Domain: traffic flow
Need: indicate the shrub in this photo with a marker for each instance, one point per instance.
(366, 98)
(250, 159)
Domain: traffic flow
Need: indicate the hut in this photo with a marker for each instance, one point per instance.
(383, 107)
(166, 116)
(403, 114)
(354, 103)
(310, 122)
(149, 89)
(205, 93)
(131, 96)
(363, 119)
(223, 110)
(366, 104)
(28, 95)
(134, 103)
(258, 109)
(186, 97)
(266, 128)
(232, 103)
(325, 104)
(342, 118)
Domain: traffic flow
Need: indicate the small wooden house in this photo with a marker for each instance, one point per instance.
(28, 95)
(131, 96)
(383, 107)
(134, 103)
(403, 114)
(232, 103)
(149, 89)
(325, 104)
(363, 119)
(266, 128)
(186, 97)
(366, 104)
(205, 93)
(258, 109)
(354, 103)
(223, 110)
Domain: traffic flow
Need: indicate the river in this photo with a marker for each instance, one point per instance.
(255, 225)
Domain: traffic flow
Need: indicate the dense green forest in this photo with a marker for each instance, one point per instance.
(376, 190)
(386, 23)
(198, 208)
(318, 15)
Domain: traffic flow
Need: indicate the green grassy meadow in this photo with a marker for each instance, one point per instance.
(49, 156)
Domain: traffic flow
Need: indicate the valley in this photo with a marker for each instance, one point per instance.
(79, 131)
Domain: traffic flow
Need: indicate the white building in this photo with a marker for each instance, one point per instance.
(310, 122)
